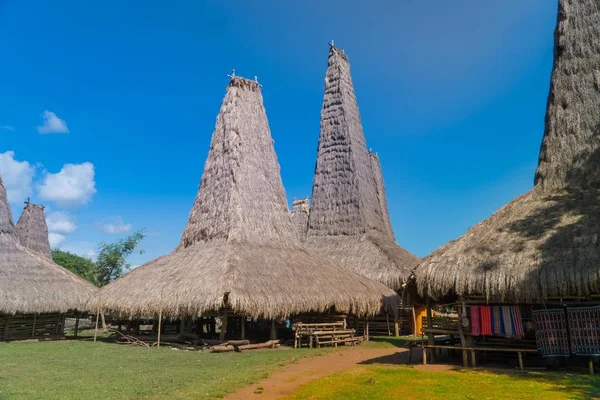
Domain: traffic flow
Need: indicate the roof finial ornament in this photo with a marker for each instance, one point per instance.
(232, 74)
(28, 201)
(331, 43)
(255, 78)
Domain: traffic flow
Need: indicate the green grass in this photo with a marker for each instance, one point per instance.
(404, 382)
(87, 370)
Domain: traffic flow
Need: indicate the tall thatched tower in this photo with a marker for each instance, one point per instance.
(32, 230)
(544, 243)
(349, 221)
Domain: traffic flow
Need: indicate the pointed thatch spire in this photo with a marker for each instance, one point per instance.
(300, 213)
(569, 155)
(239, 250)
(347, 220)
(31, 283)
(32, 230)
(545, 242)
(380, 187)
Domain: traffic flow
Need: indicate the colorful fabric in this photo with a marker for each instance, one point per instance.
(584, 329)
(496, 321)
(486, 321)
(551, 332)
(509, 329)
(475, 325)
(518, 322)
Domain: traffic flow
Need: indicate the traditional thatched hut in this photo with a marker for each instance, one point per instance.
(349, 222)
(300, 213)
(543, 246)
(35, 293)
(32, 230)
(239, 255)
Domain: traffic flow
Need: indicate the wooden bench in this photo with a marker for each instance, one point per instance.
(474, 349)
(327, 333)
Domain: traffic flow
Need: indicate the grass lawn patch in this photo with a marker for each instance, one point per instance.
(405, 382)
(87, 370)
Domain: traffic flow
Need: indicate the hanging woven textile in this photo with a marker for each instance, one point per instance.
(517, 320)
(584, 329)
(551, 332)
(475, 326)
(496, 321)
(486, 321)
(509, 329)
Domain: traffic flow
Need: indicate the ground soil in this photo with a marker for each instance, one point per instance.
(285, 381)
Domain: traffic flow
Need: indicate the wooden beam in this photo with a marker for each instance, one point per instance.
(430, 336)
(243, 328)
(159, 328)
(414, 315)
(76, 324)
(96, 328)
(520, 361)
(367, 337)
(387, 321)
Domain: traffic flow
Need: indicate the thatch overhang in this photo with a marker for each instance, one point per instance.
(300, 213)
(239, 250)
(349, 222)
(32, 230)
(31, 282)
(545, 243)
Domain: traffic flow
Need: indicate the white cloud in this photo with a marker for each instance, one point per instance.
(116, 225)
(17, 177)
(7, 128)
(60, 222)
(55, 239)
(81, 248)
(74, 185)
(52, 124)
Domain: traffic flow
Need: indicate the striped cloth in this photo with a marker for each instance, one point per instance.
(496, 321)
(517, 320)
(509, 329)
(475, 325)
(486, 320)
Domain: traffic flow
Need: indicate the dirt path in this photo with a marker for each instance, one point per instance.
(285, 381)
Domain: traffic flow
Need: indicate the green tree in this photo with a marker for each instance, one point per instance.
(81, 266)
(111, 262)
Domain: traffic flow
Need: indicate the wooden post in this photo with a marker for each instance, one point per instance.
(96, 328)
(430, 336)
(396, 328)
(182, 326)
(273, 330)
(367, 336)
(57, 324)
(591, 366)
(223, 327)
(159, 328)
(520, 361)
(463, 341)
(387, 320)
(76, 333)
(6, 329)
(243, 328)
(424, 355)
(414, 315)
(33, 327)
(473, 358)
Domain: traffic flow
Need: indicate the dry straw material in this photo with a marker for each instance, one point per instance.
(349, 222)
(544, 243)
(239, 250)
(32, 230)
(31, 282)
(300, 213)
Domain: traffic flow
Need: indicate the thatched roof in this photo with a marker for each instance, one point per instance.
(347, 222)
(300, 213)
(544, 243)
(32, 230)
(380, 187)
(30, 282)
(239, 250)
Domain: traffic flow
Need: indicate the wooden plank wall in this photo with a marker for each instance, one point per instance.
(29, 326)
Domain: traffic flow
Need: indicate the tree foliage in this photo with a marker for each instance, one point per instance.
(112, 257)
(81, 266)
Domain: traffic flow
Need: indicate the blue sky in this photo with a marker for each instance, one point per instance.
(107, 109)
